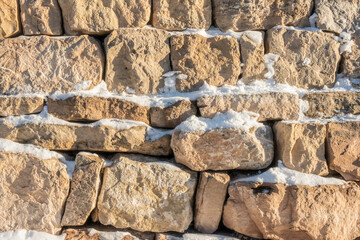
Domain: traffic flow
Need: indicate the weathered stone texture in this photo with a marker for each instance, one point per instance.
(299, 52)
(137, 59)
(146, 194)
(100, 17)
(215, 61)
(9, 18)
(181, 15)
(41, 17)
(301, 146)
(262, 14)
(270, 106)
(44, 64)
(350, 63)
(14, 106)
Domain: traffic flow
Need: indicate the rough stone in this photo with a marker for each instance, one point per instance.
(79, 108)
(181, 15)
(146, 194)
(41, 17)
(9, 18)
(350, 63)
(99, 17)
(301, 146)
(293, 212)
(210, 197)
(84, 190)
(343, 152)
(329, 104)
(264, 14)
(299, 52)
(137, 59)
(270, 106)
(215, 61)
(14, 106)
(48, 64)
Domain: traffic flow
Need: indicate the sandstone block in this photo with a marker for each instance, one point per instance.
(98, 17)
(270, 106)
(146, 194)
(350, 63)
(9, 18)
(137, 59)
(299, 52)
(210, 197)
(264, 14)
(14, 106)
(47, 64)
(181, 15)
(41, 17)
(215, 61)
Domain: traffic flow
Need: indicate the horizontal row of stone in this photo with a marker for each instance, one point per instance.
(101, 17)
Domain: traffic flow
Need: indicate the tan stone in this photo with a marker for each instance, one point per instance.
(41, 17)
(14, 106)
(9, 18)
(146, 194)
(350, 63)
(293, 212)
(215, 61)
(329, 104)
(181, 15)
(137, 59)
(79, 108)
(301, 146)
(210, 197)
(171, 116)
(261, 14)
(270, 106)
(98, 17)
(343, 151)
(299, 52)
(46, 64)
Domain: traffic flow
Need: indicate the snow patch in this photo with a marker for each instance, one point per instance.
(345, 42)
(270, 60)
(29, 235)
(307, 61)
(198, 236)
(170, 81)
(255, 36)
(111, 235)
(313, 19)
(82, 85)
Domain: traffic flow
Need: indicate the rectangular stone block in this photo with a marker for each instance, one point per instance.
(17, 105)
(350, 64)
(9, 18)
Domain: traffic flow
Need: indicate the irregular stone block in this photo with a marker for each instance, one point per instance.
(46, 64)
(210, 197)
(270, 106)
(264, 14)
(215, 61)
(299, 52)
(181, 15)
(14, 105)
(41, 17)
(301, 146)
(9, 18)
(350, 63)
(146, 194)
(343, 152)
(99, 17)
(137, 59)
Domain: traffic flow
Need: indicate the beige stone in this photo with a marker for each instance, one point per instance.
(14, 105)
(270, 106)
(171, 116)
(99, 17)
(45, 64)
(299, 52)
(276, 211)
(146, 194)
(343, 151)
(41, 17)
(84, 190)
(329, 104)
(210, 197)
(350, 63)
(301, 146)
(137, 59)
(261, 14)
(79, 108)
(9, 18)
(181, 15)
(215, 61)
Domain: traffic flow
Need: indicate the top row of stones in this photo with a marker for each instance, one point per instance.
(99, 17)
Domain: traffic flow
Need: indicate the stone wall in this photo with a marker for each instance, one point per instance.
(167, 119)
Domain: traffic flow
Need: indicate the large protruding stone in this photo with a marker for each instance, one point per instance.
(45, 64)
(18, 105)
(146, 194)
(350, 63)
(9, 18)
(299, 52)
(137, 59)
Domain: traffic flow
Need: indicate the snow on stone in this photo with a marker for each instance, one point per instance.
(313, 19)
(29, 235)
(307, 61)
(82, 85)
(111, 235)
(345, 42)
(270, 60)
(170, 81)
(198, 236)
(255, 36)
